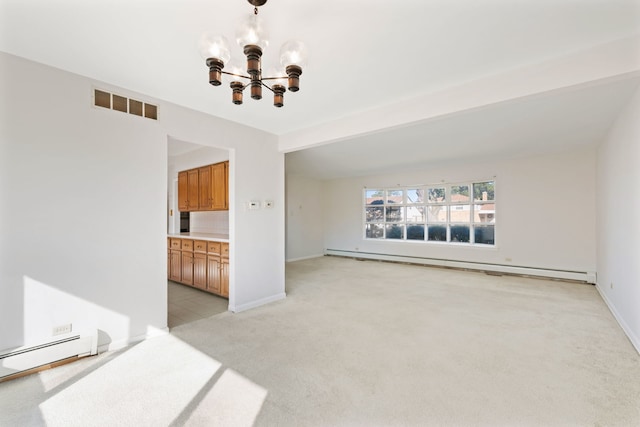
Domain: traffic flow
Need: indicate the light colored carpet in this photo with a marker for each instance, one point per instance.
(362, 344)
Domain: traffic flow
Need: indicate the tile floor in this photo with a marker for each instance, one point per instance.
(188, 304)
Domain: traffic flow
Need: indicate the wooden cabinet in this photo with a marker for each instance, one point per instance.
(187, 268)
(183, 191)
(220, 186)
(175, 265)
(204, 189)
(193, 183)
(199, 263)
(200, 270)
(224, 275)
(174, 260)
(204, 194)
(213, 273)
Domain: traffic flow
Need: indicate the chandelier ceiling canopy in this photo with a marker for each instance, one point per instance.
(252, 37)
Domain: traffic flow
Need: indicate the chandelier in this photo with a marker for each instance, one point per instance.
(251, 35)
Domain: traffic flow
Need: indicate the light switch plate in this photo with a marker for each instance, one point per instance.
(254, 204)
(268, 204)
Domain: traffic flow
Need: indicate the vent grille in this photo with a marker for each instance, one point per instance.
(126, 105)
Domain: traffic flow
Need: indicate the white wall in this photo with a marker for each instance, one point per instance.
(83, 202)
(618, 210)
(545, 213)
(304, 218)
(83, 194)
(256, 172)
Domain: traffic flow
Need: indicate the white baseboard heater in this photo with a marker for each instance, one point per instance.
(29, 357)
(582, 276)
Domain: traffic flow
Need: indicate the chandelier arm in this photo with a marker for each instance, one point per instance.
(274, 78)
(265, 85)
(235, 75)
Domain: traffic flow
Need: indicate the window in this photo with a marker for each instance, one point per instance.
(461, 213)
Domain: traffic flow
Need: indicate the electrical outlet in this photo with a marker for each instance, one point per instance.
(62, 329)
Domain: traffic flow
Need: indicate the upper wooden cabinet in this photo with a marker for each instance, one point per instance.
(220, 186)
(204, 189)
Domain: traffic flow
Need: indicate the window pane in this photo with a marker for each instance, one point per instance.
(437, 233)
(374, 231)
(484, 234)
(483, 191)
(460, 213)
(375, 213)
(436, 195)
(484, 213)
(415, 232)
(415, 195)
(459, 193)
(460, 233)
(395, 231)
(374, 197)
(395, 196)
(415, 214)
(395, 213)
(437, 213)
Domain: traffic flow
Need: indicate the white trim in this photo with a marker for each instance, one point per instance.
(305, 257)
(257, 303)
(584, 276)
(635, 341)
(125, 342)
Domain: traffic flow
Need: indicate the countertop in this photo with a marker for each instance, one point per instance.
(201, 236)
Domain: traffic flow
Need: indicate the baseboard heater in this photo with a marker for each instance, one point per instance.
(582, 276)
(29, 357)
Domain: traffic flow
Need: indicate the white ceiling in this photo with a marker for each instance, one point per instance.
(363, 54)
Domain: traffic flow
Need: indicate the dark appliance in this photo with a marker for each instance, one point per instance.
(184, 222)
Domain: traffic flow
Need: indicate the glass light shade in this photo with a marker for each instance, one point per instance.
(252, 31)
(293, 52)
(214, 46)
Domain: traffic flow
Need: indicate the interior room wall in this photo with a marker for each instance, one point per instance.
(84, 197)
(256, 173)
(83, 202)
(545, 212)
(304, 218)
(618, 213)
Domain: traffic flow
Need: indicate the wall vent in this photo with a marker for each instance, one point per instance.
(126, 105)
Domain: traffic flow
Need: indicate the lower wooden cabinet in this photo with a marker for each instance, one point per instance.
(175, 265)
(201, 264)
(200, 270)
(224, 277)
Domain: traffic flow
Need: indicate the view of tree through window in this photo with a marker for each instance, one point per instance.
(454, 213)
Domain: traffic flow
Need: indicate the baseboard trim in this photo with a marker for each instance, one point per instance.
(125, 342)
(258, 303)
(581, 276)
(635, 341)
(305, 257)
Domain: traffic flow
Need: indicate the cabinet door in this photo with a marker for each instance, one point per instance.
(187, 268)
(192, 189)
(224, 277)
(213, 274)
(183, 191)
(200, 270)
(204, 177)
(175, 266)
(219, 188)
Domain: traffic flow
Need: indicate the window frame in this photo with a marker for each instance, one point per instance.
(473, 222)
